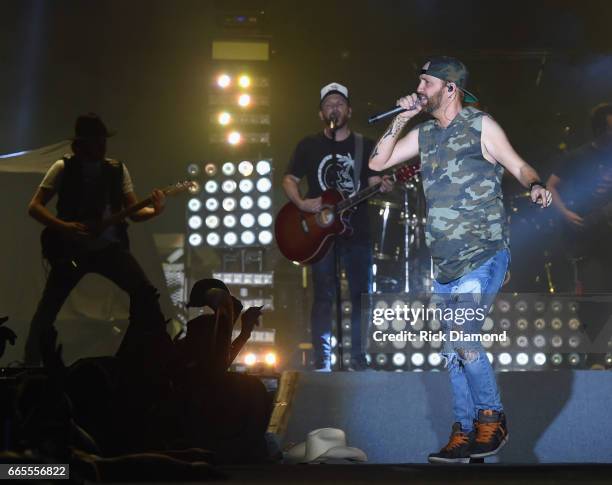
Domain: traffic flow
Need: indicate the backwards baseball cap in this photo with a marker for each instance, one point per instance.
(334, 88)
(451, 70)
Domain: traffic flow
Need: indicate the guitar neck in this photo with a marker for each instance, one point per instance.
(127, 212)
(359, 197)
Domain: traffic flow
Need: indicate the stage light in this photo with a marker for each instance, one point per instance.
(211, 187)
(264, 184)
(399, 359)
(398, 325)
(245, 168)
(234, 138)
(608, 359)
(539, 323)
(504, 358)
(418, 344)
(244, 100)
(556, 341)
(223, 81)
(573, 324)
(194, 187)
(263, 167)
(265, 237)
(487, 326)
(230, 238)
(194, 205)
(265, 219)
(503, 306)
(224, 118)
(211, 204)
(556, 359)
(435, 325)
(522, 358)
(246, 203)
(244, 81)
(245, 186)
(417, 359)
(381, 359)
(264, 202)
(212, 222)
(195, 239)
(434, 359)
(556, 323)
(539, 358)
(213, 239)
(381, 304)
(402, 344)
(247, 237)
(229, 204)
(334, 359)
(229, 186)
(347, 307)
(505, 324)
(574, 341)
(250, 359)
(229, 221)
(195, 222)
(539, 341)
(228, 168)
(247, 220)
(522, 323)
(270, 358)
(521, 306)
(417, 325)
(539, 306)
(573, 359)
(522, 341)
(556, 306)
(193, 169)
(210, 169)
(333, 341)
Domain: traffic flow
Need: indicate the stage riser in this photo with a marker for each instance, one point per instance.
(553, 416)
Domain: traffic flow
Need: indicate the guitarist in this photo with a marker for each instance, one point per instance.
(90, 187)
(582, 193)
(336, 158)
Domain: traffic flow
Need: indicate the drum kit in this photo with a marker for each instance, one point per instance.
(401, 259)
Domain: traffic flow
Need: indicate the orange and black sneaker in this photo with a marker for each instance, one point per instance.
(458, 448)
(491, 433)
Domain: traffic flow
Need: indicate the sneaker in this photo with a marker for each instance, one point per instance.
(458, 448)
(491, 433)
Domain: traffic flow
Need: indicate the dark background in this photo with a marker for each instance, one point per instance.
(144, 66)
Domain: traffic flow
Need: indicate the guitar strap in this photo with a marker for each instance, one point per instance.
(358, 160)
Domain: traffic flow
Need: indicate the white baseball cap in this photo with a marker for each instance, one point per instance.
(334, 88)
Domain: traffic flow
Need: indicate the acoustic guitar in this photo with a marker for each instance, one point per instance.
(306, 237)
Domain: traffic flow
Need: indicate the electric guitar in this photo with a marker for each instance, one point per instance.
(58, 246)
(306, 237)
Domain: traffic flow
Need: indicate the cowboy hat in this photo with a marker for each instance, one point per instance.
(324, 445)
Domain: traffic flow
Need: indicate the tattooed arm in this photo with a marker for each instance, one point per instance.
(391, 150)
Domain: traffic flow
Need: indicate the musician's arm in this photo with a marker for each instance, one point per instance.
(391, 150)
(292, 190)
(37, 208)
(146, 213)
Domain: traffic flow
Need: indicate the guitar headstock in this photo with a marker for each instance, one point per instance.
(406, 172)
(179, 187)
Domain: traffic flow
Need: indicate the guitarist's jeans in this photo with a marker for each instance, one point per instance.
(356, 258)
(116, 264)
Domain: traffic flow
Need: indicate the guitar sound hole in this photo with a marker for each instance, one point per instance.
(325, 217)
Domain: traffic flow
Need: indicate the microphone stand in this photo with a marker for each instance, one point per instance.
(337, 265)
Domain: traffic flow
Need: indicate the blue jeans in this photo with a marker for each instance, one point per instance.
(356, 258)
(472, 378)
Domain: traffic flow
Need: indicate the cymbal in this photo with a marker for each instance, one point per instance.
(384, 203)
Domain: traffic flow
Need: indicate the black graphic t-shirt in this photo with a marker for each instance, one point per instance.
(330, 165)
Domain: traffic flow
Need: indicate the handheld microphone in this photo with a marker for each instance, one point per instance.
(332, 123)
(394, 111)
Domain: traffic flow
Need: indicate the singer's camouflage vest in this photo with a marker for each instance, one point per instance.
(466, 222)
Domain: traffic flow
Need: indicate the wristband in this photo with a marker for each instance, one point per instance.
(537, 182)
